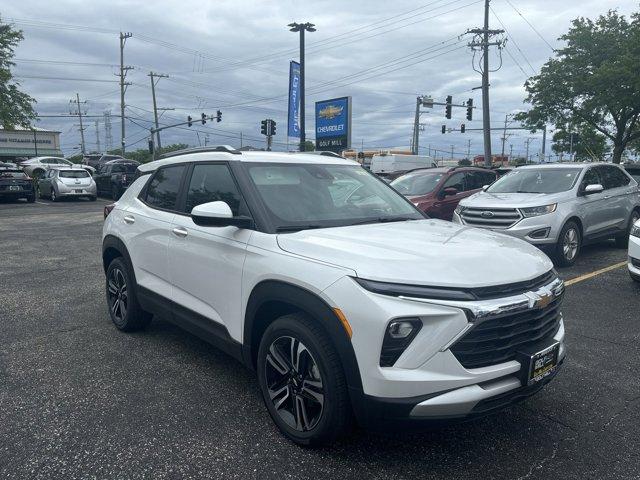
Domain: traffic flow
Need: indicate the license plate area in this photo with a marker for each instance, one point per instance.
(537, 364)
(78, 191)
(14, 188)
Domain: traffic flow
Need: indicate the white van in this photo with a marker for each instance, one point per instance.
(387, 164)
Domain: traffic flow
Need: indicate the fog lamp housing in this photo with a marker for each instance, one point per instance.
(398, 336)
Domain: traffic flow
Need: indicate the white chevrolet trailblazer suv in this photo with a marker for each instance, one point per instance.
(343, 297)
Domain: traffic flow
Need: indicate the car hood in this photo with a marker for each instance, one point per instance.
(422, 252)
(511, 200)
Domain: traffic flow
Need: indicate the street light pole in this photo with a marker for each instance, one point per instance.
(302, 27)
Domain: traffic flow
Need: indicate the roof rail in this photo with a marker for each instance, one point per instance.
(213, 148)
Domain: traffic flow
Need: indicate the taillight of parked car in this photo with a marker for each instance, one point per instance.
(107, 209)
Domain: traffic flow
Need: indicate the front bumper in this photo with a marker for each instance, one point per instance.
(428, 382)
(634, 256)
(543, 230)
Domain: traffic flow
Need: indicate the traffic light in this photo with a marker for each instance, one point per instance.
(263, 127)
(218, 116)
(462, 128)
(273, 127)
(470, 109)
(447, 111)
(444, 129)
(150, 146)
(204, 118)
(189, 121)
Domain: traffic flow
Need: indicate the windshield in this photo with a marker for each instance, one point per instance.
(536, 180)
(417, 183)
(314, 196)
(73, 174)
(12, 174)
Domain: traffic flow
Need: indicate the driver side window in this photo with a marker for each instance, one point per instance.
(591, 178)
(455, 181)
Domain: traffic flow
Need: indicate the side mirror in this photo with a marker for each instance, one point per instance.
(218, 214)
(449, 191)
(484, 188)
(593, 188)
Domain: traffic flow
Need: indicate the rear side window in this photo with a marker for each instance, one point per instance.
(613, 177)
(73, 174)
(477, 180)
(455, 181)
(212, 183)
(124, 168)
(164, 187)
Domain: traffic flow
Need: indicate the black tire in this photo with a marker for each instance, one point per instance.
(120, 288)
(318, 373)
(115, 192)
(622, 240)
(566, 257)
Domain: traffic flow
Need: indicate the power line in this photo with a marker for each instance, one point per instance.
(515, 43)
(532, 27)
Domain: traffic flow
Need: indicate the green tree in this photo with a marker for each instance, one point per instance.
(309, 146)
(16, 107)
(587, 143)
(593, 81)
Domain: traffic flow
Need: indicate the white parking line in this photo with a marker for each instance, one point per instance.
(43, 203)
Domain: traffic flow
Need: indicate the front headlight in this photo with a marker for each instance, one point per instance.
(537, 211)
(459, 209)
(635, 230)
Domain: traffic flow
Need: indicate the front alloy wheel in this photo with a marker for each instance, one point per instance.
(570, 244)
(294, 383)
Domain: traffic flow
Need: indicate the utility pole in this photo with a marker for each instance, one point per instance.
(504, 134)
(97, 136)
(469, 149)
(153, 75)
(481, 43)
(108, 137)
(571, 147)
(78, 111)
(527, 142)
(302, 27)
(123, 87)
(451, 152)
(544, 141)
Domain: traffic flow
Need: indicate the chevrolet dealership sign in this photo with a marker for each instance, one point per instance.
(333, 124)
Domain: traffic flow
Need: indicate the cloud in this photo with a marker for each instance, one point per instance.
(243, 65)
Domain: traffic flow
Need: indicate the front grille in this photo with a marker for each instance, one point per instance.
(498, 339)
(490, 217)
(501, 291)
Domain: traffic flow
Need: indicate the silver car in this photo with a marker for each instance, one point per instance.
(37, 166)
(558, 207)
(67, 182)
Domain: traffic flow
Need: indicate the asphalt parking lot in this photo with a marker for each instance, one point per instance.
(78, 399)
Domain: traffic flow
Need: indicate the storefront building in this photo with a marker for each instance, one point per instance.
(21, 143)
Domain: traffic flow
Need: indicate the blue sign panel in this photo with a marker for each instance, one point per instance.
(293, 124)
(333, 124)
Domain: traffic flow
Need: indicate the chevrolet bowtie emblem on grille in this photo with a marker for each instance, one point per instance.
(539, 300)
(487, 214)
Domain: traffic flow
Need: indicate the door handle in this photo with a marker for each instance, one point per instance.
(129, 219)
(180, 232)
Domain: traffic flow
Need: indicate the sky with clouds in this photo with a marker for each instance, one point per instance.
(234, 55)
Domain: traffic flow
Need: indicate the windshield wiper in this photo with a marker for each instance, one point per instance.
(525, 191)
(384, 220)
(296, 228)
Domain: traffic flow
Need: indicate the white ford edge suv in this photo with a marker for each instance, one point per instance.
(343, 297)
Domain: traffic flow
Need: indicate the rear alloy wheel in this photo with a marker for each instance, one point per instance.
(124, 309)
(302, 381)
(54, 197)
(568, 245)
(622, 240)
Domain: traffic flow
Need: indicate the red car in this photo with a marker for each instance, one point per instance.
(437, 191)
